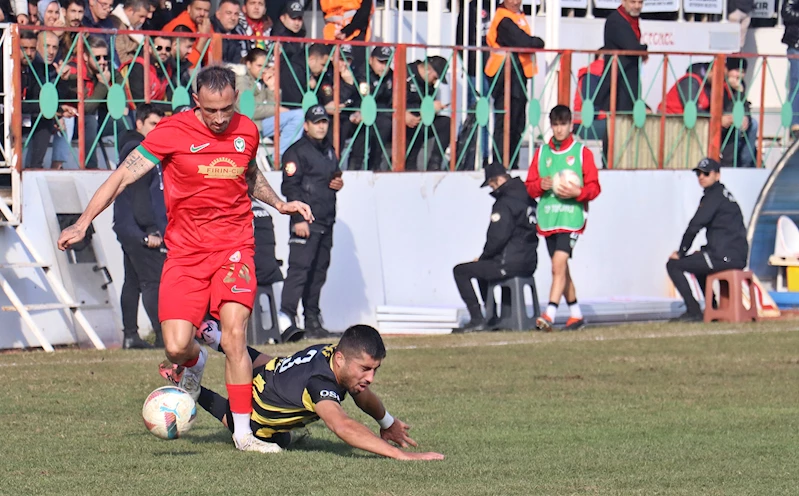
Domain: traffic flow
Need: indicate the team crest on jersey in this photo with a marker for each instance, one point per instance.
(549, 162)
(363, 89)
(495, 217)
(291, 168)
(238, 143)
(236, 257)
(570, 160)
(327, 90)
(221, 168)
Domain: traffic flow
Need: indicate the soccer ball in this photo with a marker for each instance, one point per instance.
(565, 176)
(169, 412)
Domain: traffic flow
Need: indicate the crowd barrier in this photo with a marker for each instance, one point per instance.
(631, 136)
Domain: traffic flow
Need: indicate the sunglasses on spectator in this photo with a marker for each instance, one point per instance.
(701, 173)
(160, 48)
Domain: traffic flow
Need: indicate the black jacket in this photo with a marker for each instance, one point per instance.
(308, 168)
(232, 50)
(294, 80)
(511, 35)
(721, 216)
(479, 22)
(512, 239)
(619, 35)
(417, 88)
(290, 49)
(139, 210)
(790, 17)
(382, 91)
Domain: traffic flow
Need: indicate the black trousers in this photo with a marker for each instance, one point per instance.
(309, 259)
(518, 121)
(700, 264)
(431, 156)
(39, 143)
(143, 268)
(485, 272)
(378, 133)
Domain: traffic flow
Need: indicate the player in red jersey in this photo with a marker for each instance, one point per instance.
(207, 156)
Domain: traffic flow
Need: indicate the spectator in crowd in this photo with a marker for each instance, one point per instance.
(375, 79)
(726, 246)
(261, 81)
(302, 74)
(310, 174)
(129, 16)
(738, 141)
(182, 47)
(73, 13)
(33, 13)
(274, 8)
(790, 17)
(197, 18)
(159, 72)
(510, 247)
(693, 86)
(290, 25)
(740, 11)
(347, 19)
(140, 225)
(38, 67)
(50, 16)
(254, 22)
(98, 16)
(623, 32)
(562, 210)
(348, 96)
(588, 80)
(226, 21)
(161, 16)
(509, 28)
(423, 76)
(479, 12)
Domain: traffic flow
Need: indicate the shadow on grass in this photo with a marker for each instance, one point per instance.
(309, 445)
(176, 453)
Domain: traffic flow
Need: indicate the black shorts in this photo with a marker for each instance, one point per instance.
(562, 242)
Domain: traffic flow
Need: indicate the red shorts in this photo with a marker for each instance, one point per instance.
(193, 285)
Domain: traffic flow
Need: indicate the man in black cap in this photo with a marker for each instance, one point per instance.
(310, 171)
(431, 140)
(726, 246)
(347, 95)
(290, 25)
(511, 243)
(375, 80)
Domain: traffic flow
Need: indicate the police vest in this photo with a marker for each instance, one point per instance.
(498, 56)
(339, 13)
(558, 214)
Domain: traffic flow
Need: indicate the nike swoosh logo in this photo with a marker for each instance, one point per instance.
(236, 289)
(195, 149)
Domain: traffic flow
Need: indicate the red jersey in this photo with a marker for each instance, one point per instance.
(205, 185)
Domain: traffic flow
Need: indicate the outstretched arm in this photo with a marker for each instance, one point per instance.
(359, 436)
(260, 189)
(134, 167)
(391, 429)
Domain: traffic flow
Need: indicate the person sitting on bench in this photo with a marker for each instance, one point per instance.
(510, 248)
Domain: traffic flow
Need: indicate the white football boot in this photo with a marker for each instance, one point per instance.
(252, 443)
(192, 376)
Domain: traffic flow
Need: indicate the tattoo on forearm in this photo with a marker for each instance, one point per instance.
(137, 164)
(263, 191)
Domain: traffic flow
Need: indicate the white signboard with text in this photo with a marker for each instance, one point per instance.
(703, 6)
(764, 9)
(649, 5)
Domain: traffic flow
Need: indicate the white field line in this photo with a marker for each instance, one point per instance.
(543, 339)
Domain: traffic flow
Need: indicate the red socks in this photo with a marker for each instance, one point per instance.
(240, 397)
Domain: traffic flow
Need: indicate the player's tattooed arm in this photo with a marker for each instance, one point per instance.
(135, 166)
(259, 188)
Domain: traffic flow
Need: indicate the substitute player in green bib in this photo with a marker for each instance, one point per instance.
(562, 212)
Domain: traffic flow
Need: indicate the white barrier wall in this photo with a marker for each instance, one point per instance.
(399, 235)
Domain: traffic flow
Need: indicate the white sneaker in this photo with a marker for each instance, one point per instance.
(193, 376)
(284, 322)
(252, 443)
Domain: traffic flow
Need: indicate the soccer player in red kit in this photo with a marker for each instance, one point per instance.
(207, 156)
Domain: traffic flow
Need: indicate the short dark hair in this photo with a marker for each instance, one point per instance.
(136, 4)
(253, 55)
(234, 2)
(145, 110)
(215, 78)
(192, 1)
(27, 34)
(67, 3)
(560, 114)
(362, 338)
(96, 42)
(318, 49)
(180, 28)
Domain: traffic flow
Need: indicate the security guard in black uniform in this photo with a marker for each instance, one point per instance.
(511, 243)
(348, 95)
(375, 79)
(310, 174)
(726, 246)
(423, 76)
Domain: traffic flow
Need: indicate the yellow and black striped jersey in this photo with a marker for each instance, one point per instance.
(286, 390)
